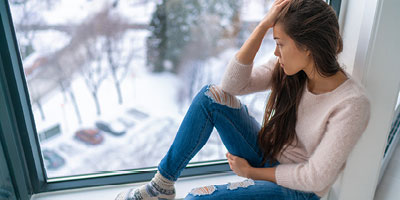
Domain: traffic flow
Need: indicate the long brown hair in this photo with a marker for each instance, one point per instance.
(313, 25)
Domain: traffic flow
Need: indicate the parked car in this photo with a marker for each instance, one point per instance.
(126, 121)
(69, 149)
(115, 127)
(137, 114)
(89, 136)
(52, 159)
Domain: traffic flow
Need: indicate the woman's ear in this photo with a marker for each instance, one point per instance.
(305, 49)
(308, 52)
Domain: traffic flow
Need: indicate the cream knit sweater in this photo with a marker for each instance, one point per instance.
(328, 126)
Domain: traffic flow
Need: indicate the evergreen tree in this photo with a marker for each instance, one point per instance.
(173, 25)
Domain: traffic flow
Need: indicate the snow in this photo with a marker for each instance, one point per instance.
(146, 142)
(74, 12)
(255, 10)
(50, 41)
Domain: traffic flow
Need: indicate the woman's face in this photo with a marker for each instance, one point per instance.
(291, 58)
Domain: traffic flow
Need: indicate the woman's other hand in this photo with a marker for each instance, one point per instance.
(269, 20)
(239, 165)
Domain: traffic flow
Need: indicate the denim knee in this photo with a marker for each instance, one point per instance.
(204, 192)
(201, 96)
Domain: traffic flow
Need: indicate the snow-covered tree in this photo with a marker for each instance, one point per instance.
(95, 70)
(118, 57)
(27, 17)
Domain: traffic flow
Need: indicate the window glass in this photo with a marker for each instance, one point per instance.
(111, 80)
(394, 130)
(398, 101)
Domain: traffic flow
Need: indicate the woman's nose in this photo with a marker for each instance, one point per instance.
(276, 52)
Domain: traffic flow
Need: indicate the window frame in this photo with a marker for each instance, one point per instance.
(19, 137)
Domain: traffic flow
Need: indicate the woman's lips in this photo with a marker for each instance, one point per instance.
(279, 60)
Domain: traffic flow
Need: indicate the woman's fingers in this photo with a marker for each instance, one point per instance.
(277, 2)
(282, 3)
(230, 156)
(272, 14)
(279, 6)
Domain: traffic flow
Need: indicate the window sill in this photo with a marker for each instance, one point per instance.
(183, 187)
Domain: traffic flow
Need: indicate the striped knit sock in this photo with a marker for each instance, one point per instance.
(158, 188)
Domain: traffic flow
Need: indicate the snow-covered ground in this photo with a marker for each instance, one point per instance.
(146, 142)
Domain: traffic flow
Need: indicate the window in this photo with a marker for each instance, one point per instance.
(110, 84)
(6, 188)
(393, 138)
(97, 85)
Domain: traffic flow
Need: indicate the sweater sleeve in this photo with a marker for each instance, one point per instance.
(240, 79)
(344, 128)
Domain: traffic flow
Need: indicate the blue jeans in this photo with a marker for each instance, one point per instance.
(238, 131)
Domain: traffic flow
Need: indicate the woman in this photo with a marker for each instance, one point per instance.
(315, 114)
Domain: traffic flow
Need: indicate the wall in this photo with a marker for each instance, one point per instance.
(350, 19)
(374, 57)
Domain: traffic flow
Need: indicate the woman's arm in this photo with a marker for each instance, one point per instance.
(266, 174)
(250, 48)
(240, 78)
(242, 168)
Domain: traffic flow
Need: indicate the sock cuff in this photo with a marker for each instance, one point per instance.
(162, 181)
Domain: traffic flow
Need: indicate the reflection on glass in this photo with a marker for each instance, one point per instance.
(110, 81)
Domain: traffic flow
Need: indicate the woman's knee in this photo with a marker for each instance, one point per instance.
(221, 97)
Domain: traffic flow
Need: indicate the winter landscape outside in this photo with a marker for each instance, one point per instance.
(111, 80)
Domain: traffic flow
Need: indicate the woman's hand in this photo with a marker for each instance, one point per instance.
(250, 48)
(239, 165)
(272, 14)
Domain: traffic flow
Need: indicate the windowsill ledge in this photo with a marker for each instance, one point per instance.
(183, 187)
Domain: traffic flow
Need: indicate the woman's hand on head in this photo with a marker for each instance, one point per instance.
(239, 165)
(269, 20)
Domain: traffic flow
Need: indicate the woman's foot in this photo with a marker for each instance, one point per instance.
(158, 188)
